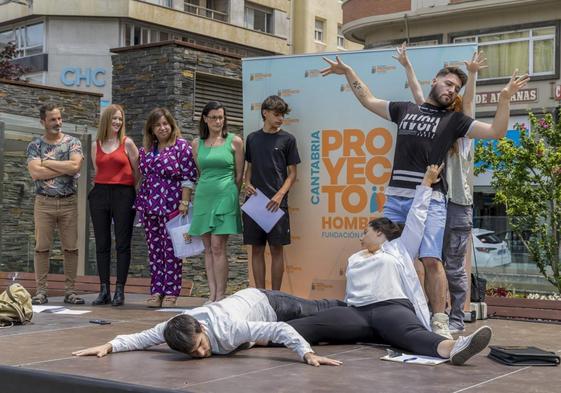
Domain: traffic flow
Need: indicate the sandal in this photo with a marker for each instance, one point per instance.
(72, 298)
(169, 301)
(154, 301)
(39, 298)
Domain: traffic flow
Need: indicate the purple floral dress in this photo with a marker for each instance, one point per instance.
(159, 195)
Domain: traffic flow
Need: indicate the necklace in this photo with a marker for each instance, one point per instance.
(215, 140)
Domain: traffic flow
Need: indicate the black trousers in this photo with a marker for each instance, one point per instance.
(289, 307)
(392, 322)
(112, 203)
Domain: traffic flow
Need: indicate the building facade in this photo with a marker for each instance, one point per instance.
(66, 43)
(318, 27)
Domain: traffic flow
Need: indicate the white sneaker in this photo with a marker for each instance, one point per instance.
(439, 325)
(465, 347)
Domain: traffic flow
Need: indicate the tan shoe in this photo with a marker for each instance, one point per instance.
(154, 301)
(169, 301)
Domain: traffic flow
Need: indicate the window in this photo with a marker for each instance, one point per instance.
(340, 37)
(140, 35)
(318, 31)
(28, 39)
(213, 9)
(163, 3)
(530, 50)
(228, 91)
(258, 18)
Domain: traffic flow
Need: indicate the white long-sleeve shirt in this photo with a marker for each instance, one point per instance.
(389, 273)
(242, 318)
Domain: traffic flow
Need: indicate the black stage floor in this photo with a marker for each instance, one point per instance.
(42, 351)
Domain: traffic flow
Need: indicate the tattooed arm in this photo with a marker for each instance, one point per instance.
(359, 88)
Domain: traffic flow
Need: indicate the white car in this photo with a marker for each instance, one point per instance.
(489, 250)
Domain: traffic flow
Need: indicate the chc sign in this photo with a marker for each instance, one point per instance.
(73, 76)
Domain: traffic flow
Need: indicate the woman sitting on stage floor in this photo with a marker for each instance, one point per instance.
(385, 301)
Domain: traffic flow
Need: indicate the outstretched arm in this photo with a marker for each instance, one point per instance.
(359, 88)
(414, 229)
(497, 129)
(127, 342)
(278, 333)
(414, 85)
(473, 66)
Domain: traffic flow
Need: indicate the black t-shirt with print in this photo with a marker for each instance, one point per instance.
(425, 133)
(270, 155)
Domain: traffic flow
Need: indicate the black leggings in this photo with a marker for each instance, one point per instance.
(289, 307)
(392, 322)
(112, 203)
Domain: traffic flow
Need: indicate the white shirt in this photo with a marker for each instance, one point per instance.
(242, 318)
(389, 273)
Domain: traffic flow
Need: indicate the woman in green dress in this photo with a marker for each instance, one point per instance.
(216, 211)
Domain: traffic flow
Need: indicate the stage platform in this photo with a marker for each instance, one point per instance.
(41, 355)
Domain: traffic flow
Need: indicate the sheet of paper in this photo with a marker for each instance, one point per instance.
(415, 359)
(256, 208)
(67, 311)
(38, 309)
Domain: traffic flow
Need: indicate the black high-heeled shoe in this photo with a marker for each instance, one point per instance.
(119, 297)
(104, 296)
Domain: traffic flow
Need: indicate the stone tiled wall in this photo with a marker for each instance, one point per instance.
(162, 75)
(25, 99)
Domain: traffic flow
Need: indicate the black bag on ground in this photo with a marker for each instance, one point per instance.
(523, 356)
(478, 288)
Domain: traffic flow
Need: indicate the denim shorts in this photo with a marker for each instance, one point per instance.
(396, 209)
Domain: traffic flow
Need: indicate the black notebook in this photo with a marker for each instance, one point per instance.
(523, 356)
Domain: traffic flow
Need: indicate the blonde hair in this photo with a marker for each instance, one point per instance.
(148, 138)
(104, 129)
(456, 106)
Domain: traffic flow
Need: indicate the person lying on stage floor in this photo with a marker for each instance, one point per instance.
(247, 317)
(385, 300)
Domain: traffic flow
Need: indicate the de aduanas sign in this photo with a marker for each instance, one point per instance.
(492, 97)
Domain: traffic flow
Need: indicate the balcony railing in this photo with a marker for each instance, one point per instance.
(205, 12)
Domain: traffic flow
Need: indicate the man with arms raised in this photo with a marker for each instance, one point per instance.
(425, 133)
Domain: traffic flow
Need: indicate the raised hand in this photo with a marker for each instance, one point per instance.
(335, 67)
(401, 54)
(476, 63)
(432, 175)
(515, 84)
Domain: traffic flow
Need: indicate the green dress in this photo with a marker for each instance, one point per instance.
(216, 208)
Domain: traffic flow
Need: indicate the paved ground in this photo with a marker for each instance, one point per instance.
(47, 345)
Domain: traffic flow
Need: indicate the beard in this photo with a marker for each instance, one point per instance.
(433, 95)
(54, 130)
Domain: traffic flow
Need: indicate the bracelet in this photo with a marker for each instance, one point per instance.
(184, 203)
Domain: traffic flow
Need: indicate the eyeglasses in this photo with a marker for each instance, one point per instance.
(215, 118)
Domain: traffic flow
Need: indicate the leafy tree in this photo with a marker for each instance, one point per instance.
(9, 69)
(527, 180)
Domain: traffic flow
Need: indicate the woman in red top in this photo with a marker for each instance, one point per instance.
(115, 159)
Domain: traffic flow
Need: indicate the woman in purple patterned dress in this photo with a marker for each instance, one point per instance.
(168, 176)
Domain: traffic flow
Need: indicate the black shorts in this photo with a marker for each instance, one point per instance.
(279, 235)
